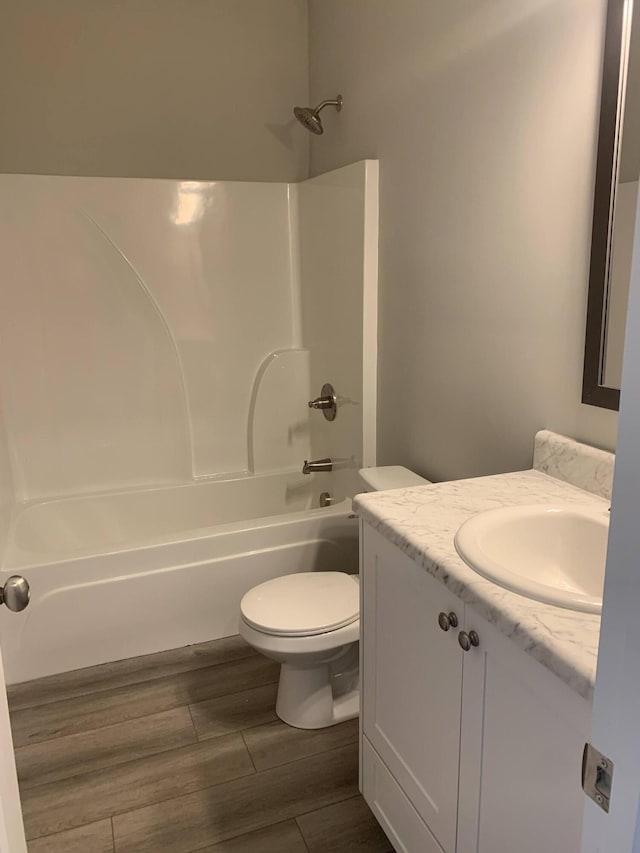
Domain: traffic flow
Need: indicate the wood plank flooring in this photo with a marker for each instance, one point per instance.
(181, 752)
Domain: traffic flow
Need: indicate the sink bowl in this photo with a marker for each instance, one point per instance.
(554, 554)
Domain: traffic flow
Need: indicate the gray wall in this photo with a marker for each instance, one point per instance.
(154, 88)
(484, 117)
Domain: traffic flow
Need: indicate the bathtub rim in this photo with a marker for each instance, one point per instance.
(33, 561)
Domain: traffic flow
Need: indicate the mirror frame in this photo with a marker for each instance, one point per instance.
(609, 143)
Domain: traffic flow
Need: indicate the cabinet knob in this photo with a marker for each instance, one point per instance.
(447, 620)
(467, 640)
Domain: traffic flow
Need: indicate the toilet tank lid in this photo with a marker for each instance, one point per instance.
(379, 479)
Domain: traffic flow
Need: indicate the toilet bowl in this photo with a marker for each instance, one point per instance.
(310, 623)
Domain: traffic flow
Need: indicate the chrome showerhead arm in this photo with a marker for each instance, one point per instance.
(331, 102)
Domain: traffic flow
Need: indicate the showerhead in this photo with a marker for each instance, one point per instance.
(310, 118)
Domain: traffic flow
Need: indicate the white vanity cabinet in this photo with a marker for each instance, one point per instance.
(474, 751)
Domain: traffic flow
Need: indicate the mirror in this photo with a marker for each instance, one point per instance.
(614, 208)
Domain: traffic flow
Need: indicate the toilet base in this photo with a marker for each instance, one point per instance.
(319, 696)
(319, 674)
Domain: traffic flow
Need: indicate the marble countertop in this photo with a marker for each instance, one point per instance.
(423, 520)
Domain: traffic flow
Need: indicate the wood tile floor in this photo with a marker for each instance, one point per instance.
(180, 752)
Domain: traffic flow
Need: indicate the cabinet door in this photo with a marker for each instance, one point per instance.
(523, 731)
(412, 682)
(403, 825)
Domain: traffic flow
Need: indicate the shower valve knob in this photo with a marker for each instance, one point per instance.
(326, 402)
(321, 403)
(15, 593)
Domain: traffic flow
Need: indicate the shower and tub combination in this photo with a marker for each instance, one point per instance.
(160, 344)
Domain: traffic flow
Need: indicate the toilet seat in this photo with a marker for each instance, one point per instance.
(281, 646)
(303, 604)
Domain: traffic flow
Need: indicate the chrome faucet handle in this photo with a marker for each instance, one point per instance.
(321, 403)
(327, 402)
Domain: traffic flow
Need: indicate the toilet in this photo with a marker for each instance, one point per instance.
(310, 623)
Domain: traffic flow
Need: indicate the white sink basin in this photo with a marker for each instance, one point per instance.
(554, 554)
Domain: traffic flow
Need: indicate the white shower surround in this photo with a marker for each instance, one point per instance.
(131, 336)
(158, 343)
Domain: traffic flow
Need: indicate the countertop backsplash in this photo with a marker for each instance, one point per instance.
(583, 466)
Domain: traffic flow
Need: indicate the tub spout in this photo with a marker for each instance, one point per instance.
(317, 465)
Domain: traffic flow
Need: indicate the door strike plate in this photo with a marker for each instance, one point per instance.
(597, 776)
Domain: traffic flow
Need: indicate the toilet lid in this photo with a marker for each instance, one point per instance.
(303, 604)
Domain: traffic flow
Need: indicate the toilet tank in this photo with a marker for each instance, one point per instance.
(379, 479)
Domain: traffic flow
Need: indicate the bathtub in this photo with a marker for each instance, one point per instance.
(130, 573)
